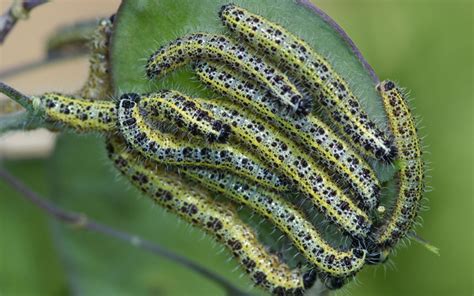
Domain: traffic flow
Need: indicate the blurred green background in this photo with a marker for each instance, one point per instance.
(427, 46)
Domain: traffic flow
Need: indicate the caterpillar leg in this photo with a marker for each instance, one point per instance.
(333, 152)
(311, 68)
(286, 217)
(218, 47)
(166, 148)
(217, 219)
(411, 174)
(283, 155)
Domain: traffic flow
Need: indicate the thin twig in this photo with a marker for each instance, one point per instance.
(84, 222)
(14, 121)
(18, 10)
(17, 96)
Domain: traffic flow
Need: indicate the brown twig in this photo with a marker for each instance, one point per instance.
(18, 10)
(83, 222)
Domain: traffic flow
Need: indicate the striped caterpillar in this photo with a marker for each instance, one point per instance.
(73, 112)
(171, 150)
(217, 219)
(315, 73)
(411, 173)
(313, 133)
(218, 47)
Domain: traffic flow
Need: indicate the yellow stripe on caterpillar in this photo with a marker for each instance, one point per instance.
(315, 73)
(167, 148)
(200, 46)
(217, 219)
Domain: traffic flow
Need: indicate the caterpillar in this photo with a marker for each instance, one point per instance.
(171, 150)
(333, 152)
(219, 220)
(98, 84)
(316, 73)
(174, 107)
(286, 217)
(79, 114)
(218, 47)
(411, 174)
(283, 155)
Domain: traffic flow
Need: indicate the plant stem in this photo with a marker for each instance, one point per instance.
(83, 222)
(17, 96)
(19, 10)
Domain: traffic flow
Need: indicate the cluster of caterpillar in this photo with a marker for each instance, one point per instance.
(255, 144)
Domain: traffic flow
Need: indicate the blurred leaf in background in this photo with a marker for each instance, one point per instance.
(426, 46)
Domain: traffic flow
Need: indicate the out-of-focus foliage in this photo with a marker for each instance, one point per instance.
(425, 46)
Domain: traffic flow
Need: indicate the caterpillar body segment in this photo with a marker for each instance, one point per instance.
(218, 220)
(76, 113)
(317, 137)
(411, 173)
(185, 112)
(166, 148)
(317, 74)
(283, 155)
(220, 48)
(286, 217)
